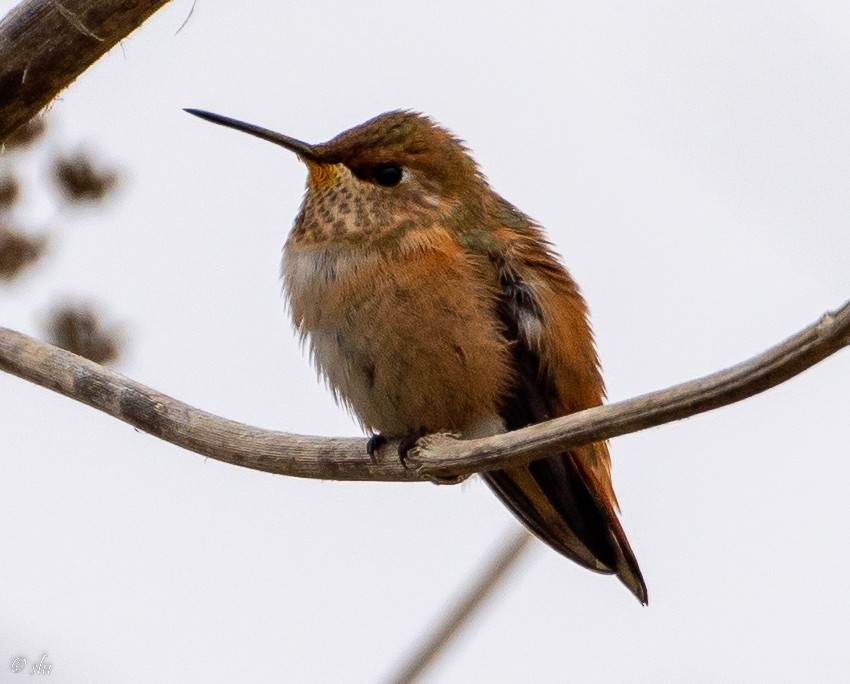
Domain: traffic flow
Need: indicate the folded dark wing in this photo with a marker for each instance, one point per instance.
(567, 499)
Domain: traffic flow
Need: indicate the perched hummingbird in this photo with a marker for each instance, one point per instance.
(431, 304)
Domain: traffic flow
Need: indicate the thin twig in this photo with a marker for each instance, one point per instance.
(437, 457)
(484, 586)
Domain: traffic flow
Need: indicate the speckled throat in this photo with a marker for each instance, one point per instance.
(338, 207)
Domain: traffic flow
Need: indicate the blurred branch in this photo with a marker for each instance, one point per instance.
(46, 44)
(436, 457)
(484, 587)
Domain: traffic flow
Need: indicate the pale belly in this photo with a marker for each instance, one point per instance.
(409, 345)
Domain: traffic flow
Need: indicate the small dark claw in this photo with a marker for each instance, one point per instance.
(408, 442)
(374, 443)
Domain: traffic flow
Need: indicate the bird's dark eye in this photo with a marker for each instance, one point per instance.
(387, 175)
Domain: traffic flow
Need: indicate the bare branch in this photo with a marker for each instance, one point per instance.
(441, 455)
(46, 44)
(437, 457)
(225, 440)
(484, 587)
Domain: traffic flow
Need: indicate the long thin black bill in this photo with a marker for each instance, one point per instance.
(302, 149)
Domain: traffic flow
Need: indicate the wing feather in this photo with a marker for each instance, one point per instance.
(566, 500)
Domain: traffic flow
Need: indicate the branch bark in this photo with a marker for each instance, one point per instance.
(436, 457)
(439, 455)
(46, 44)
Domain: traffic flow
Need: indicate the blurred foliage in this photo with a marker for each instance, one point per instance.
(17, 251)
(9, 190)
(79, 178)
(78, 328)
(27, 134)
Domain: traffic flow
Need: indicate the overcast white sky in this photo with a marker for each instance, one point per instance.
(691, 161)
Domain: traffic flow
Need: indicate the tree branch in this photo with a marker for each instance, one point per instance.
(441, 455)
(225, 440)
(46, 44)
(436, 457)
(465, 608)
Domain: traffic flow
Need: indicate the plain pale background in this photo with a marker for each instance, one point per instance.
(691, 161)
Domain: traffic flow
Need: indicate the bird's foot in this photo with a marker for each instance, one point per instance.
(408, 442)
(375, 442)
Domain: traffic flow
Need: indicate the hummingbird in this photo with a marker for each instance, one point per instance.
(431, 304)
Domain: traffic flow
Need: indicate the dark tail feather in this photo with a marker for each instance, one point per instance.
(558, 499)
